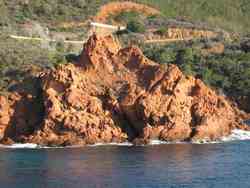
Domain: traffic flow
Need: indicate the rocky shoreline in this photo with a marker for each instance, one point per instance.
(116, 95)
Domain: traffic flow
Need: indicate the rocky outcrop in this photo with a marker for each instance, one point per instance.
(19, 116)
(4, 115)
(114, 95)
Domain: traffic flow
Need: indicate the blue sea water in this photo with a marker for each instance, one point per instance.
(221, 165)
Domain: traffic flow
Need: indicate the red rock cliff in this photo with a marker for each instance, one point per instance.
(114, 95)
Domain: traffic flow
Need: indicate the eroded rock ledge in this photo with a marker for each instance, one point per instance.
(115, 95)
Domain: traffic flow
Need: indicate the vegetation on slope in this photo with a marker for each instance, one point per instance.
(19, 61)
(229, 72)
(226, 14)
(230, 15)
(46, 11)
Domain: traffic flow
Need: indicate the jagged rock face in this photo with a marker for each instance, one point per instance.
(19, 116)
(114, 95)
(4, 115)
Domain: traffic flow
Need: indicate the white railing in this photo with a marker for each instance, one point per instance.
(95, 24)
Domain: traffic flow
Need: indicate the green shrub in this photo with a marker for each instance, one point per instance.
(136, 26)
(184, 56)
(162, 31)
(126, 17)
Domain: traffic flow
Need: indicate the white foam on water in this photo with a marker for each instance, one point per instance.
(28, 146)
(157, 142)
(18, 146)
(112, 144)
(204, 141)
(36, 146)
(160, 142)
(236, 135)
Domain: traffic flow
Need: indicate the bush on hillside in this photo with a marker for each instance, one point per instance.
(21, 60)
(126, 17)
(229, 72)
(162, 31)
(136, 26)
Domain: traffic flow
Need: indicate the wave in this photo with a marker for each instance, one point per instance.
(36, 146)
(112, 144)
(21, 146)
(237, 135)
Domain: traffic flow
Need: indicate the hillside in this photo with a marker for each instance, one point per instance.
(227, 14)
(205, 39)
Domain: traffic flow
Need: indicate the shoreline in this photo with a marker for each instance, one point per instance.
(237, 135)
